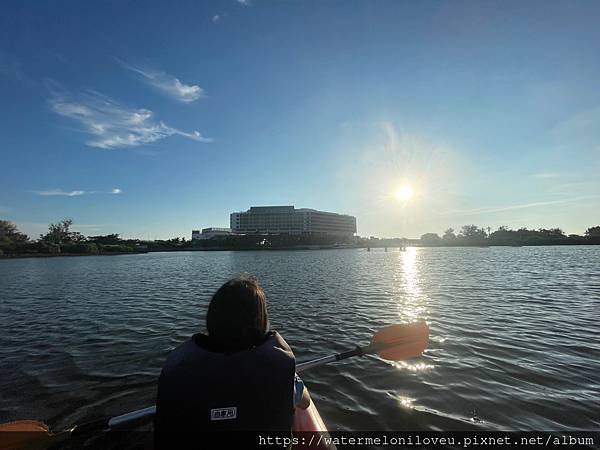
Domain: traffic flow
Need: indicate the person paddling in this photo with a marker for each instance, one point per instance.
(239, 377)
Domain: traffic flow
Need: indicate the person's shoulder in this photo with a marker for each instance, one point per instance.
(275, 336)
(280, 344)
(179, 353)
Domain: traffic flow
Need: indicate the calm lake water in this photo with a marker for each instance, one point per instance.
(514, 332)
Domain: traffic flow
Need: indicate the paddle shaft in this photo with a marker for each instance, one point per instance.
(358, 351)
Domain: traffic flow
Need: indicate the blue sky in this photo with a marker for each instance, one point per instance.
(150, 119)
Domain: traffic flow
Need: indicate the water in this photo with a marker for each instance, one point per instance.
(514, 332)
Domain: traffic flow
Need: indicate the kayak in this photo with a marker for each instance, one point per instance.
(308, 427)
(308, 420)
(17, 435)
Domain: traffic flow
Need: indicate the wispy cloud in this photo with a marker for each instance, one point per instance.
(574, 188)
(168, 84)
(478, 211)
(587, 120)
(76, 193)
(215, 18)
(11, 69)
(243, 2)
(113, 125)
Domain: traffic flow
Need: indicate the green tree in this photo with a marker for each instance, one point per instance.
(10, 237)
(552, 232)
(430, 238)
(505, 236)
(502, 232)
(449, 235)
(60, 234)
(593, 232)
(472, 232)
(109, 239)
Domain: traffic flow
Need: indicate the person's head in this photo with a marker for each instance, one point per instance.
(237, 314)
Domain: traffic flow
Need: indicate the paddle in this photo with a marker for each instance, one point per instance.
(393, 343)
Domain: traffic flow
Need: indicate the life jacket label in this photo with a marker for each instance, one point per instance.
(223, 413)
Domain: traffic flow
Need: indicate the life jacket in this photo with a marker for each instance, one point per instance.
(203, 389)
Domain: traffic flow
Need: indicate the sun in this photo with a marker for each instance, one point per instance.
(405, 193)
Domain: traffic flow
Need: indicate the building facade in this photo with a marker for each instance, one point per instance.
(209, 233)
(288, 220)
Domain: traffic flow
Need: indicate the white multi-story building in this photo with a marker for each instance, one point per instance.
(288, 220)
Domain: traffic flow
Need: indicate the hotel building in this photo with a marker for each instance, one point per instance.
(288, 220)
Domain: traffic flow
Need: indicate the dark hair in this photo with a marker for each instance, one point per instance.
(237, 314)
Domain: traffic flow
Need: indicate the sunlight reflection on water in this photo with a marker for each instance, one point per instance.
(404, 401)
(411, 302)
(413, 367)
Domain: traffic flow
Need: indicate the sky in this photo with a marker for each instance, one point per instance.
(150, 119)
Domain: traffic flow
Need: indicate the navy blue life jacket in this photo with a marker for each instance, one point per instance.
(203, 388)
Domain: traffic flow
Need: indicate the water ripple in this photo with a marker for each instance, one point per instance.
(513, 332)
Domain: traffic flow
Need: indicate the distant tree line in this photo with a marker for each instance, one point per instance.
(472, 235)
(252, 242)
(61, 240)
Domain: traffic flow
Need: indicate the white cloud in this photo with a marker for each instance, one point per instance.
(215, 18)
(113, 125)
(76, 193)
(53, 192)
(169, 84)
(244, 2)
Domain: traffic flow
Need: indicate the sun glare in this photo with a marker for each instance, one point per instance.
(404, 193)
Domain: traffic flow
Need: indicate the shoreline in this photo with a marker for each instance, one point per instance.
(48, 255)
(297, 248)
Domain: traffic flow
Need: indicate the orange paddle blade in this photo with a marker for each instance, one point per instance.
(23, 434)
(399, 342)
(25, 426)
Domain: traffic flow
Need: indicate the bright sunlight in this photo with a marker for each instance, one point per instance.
(405, 193)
